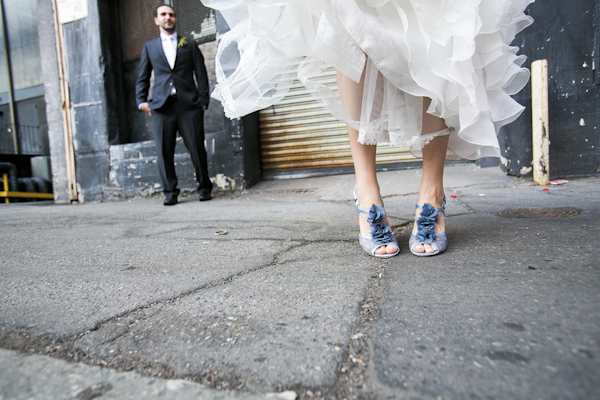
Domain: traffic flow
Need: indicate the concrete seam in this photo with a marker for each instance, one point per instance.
(352, 380)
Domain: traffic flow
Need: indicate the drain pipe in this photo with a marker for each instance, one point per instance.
(68, 127)
(11, 103)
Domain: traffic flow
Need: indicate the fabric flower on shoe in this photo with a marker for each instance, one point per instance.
(381, 234)
(376, 214)
(426, 224)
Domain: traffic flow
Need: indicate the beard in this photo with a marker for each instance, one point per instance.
(168, 28)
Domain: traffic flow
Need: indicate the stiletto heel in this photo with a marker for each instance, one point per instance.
(381, 234)
(426, 230)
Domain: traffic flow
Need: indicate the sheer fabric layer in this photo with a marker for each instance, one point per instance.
(456, 52)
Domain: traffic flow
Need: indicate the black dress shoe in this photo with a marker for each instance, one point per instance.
(205, 194)
(170, 200)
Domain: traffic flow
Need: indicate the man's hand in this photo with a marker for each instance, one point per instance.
(146, 108)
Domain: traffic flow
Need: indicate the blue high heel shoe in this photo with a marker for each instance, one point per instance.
(426, 230)
(381, 234)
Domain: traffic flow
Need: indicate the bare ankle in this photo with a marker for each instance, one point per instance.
(434, 196)
(368, 195)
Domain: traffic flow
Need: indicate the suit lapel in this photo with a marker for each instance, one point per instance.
(158, 48)
(178, 50)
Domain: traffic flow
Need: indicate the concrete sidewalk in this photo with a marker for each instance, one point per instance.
(267, 294)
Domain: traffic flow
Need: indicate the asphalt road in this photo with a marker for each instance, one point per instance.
(266, 294)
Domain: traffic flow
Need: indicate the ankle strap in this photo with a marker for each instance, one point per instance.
(441, 209)
(359, 210)
(356, 203)
(357, 206)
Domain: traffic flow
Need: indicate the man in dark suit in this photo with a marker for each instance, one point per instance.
(178, 101)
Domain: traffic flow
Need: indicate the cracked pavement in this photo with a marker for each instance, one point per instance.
(267, 294)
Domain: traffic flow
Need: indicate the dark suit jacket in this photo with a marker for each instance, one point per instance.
(188, 62)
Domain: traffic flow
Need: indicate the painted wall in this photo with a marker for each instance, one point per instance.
(566, 33)
(86, 67)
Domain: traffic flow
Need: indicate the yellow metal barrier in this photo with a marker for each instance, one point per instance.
(27, 195)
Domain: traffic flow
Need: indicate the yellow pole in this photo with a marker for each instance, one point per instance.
(5, 184)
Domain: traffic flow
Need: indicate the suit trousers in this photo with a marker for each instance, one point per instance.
(166, 122)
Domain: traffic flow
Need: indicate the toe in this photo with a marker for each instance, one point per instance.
(391, 249)
(430, 249)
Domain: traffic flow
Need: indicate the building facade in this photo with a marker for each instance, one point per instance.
(23, 127)
(67, 101)
(100, 143)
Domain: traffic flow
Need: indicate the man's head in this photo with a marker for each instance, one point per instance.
(165, 19)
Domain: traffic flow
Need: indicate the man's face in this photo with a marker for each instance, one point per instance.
(165, 19)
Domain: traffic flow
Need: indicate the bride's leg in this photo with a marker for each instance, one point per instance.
(363, 157)
(431, 189)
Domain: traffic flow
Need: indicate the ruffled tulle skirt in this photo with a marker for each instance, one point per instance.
(457, 53)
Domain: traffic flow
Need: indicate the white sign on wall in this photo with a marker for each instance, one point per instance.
(71, 10)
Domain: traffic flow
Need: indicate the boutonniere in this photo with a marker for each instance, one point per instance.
(182, 42)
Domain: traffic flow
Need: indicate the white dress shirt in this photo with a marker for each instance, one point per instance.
(169, 45)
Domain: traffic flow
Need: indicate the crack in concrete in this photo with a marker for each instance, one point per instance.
(352, 382)
(466, 206)
(352, 372)
(208, 285)
(220, 376)
(277, 191)
(353, 377)
(218, 226)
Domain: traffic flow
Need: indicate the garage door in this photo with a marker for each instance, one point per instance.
(299, 134)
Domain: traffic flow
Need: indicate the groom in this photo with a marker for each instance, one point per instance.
(177, 102)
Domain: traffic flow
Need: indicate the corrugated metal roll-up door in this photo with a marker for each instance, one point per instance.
(298, 133)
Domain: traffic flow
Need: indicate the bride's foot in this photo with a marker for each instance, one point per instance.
(429, 231)
(376, 237)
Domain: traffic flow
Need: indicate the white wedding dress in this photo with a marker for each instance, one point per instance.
(455, 52)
